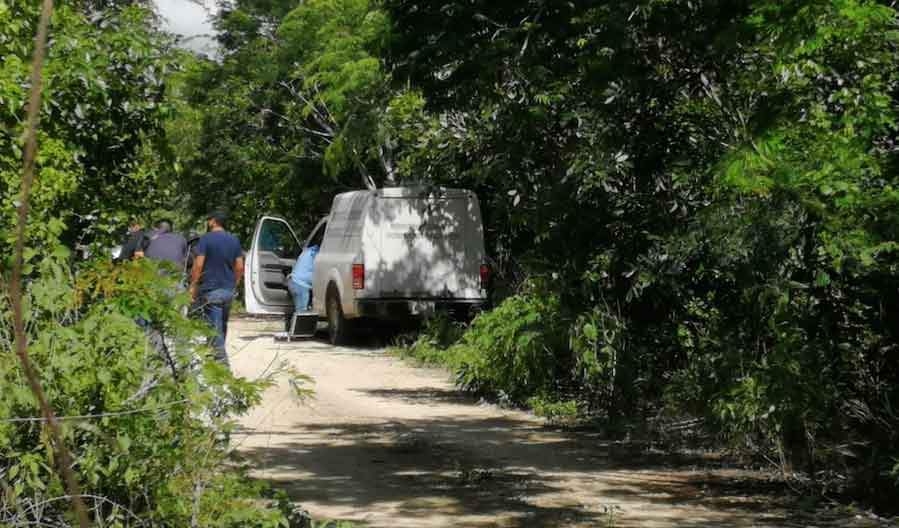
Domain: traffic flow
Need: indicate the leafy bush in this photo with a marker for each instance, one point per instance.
(515, 351)
(605, 372)
(715, 202)
(143, 408)
(556, 412)
(429, 345)
(142, 418)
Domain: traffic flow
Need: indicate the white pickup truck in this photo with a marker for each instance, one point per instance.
(386, 254)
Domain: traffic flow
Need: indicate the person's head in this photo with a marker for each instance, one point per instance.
(163, 226)
(134, 225)
(215, 220)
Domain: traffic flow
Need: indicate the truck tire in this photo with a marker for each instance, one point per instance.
(339, 331)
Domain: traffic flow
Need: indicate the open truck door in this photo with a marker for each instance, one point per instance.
(274, 251)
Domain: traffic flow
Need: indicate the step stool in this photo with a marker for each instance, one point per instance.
(302, 326)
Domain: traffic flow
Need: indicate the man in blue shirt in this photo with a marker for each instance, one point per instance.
(216, 272)
(300, 281)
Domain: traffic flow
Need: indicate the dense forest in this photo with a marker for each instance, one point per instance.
(692, 209)
(692, 205)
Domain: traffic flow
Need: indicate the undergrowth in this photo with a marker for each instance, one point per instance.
(144, 408)
(511, 354)
(572, 369)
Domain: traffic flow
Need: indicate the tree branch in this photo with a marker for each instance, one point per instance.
(63, 457)
(385, 153)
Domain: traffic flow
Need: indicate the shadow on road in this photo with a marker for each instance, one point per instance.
(505, 468)
(396, 446)
(423, 396)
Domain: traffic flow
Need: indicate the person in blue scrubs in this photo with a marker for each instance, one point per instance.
(299, 283)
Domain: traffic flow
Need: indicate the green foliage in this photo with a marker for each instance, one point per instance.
(102, 106)
(141, 402)
(288, 118)
(706, 193)
(143, 407)
(714, 201)
(603, 368)
(510, 351)
(556, 412)
(334, 45)
(513, 350)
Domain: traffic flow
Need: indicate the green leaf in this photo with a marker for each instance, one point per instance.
(590, 332)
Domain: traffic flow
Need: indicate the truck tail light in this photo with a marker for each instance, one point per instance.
(358, 276)
(485, 276)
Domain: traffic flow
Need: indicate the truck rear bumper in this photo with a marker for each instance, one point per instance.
(399, 309)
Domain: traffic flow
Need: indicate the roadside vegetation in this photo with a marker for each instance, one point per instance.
(143, 414)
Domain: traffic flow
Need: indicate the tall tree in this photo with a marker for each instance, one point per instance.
(104, 86)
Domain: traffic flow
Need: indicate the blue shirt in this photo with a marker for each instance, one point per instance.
(304, 267)
(221, 249)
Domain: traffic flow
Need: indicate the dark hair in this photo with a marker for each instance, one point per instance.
(164, 226)
(219, 217)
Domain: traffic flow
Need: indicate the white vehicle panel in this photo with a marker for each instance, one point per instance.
(424, 247)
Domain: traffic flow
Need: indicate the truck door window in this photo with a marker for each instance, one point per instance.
(275, 237)
(318, 235)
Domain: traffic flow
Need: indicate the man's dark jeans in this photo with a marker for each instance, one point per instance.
(216, 305)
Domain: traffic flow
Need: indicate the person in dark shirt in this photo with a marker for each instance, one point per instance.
(166, 245)
(216, 272)
(136, 242)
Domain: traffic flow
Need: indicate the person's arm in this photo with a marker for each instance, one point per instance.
(128, 248)
(143, 242)
(195, 273)
(238, 271)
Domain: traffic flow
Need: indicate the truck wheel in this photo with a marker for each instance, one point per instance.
(338, 326)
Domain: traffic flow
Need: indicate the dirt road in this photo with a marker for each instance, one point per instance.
(387, 444)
